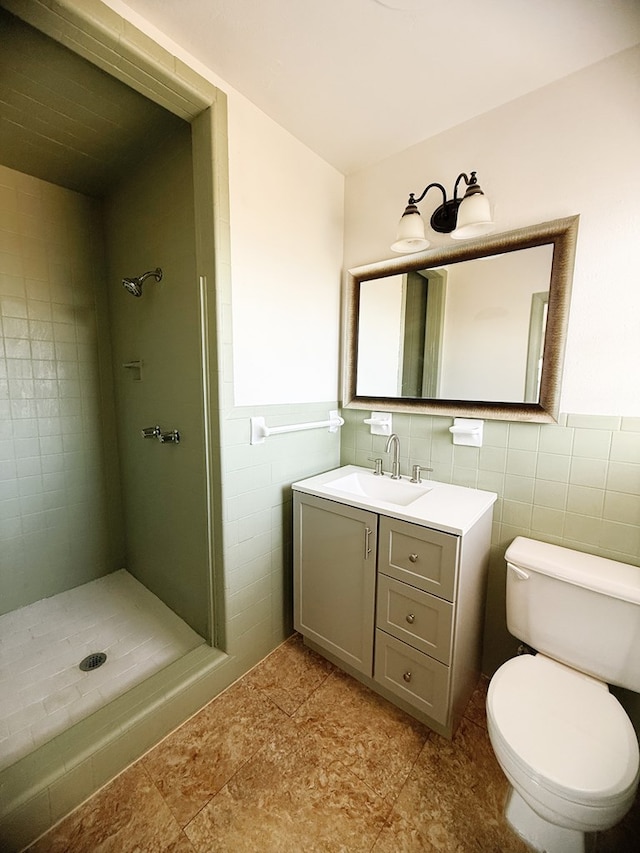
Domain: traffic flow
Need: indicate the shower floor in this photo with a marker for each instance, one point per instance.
(43, 691)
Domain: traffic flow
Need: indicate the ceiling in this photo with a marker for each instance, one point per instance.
(359, 80)
(64, 120)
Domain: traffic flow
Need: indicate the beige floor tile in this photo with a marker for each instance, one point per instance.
(290, 674)
(127, 816)
(453, 800)
(329, 767)
(290, 798)
(377, 741)
(193, 763)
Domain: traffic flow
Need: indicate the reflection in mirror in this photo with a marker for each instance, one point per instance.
(473, 329)
(458, 332)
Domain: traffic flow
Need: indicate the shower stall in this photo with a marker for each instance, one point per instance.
(105, 536)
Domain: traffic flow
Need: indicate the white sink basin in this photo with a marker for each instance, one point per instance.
(379, 488)
(452, 509)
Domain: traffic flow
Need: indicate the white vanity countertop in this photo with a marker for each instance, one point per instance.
(453, 509)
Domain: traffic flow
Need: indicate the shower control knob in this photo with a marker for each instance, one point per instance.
(172, 437)
(151, 432)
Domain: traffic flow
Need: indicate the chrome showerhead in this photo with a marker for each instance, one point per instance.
(134, 285)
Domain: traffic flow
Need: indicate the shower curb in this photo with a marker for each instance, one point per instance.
(42, 788)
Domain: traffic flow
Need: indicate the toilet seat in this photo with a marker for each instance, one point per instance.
(563, 731)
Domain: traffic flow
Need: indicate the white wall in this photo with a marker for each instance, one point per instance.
(569, 148)
(286, 207)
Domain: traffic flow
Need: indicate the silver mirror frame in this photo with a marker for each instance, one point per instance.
(562, 233)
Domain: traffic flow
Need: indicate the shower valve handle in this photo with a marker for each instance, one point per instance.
(151, 432)
(172, 437)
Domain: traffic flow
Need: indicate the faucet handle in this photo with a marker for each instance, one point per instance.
(151, 432)
(416, 472)
(378, 469)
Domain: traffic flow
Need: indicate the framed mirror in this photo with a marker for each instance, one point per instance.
(472, 330)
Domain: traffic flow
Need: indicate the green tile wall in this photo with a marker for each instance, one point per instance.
(575, 483)
(258, 515)
(59, 515)
(149, 223)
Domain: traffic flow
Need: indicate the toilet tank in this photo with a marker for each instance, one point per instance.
(576, 608)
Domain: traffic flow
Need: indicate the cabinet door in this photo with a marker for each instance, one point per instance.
(419, 556)
(334, 578)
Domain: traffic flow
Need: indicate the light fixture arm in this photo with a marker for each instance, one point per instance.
(413, 200)
(471, 182)
(445, 216)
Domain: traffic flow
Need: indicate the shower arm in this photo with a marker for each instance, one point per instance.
(156, 273)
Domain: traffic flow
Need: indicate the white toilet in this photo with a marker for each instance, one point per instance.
(563, 740)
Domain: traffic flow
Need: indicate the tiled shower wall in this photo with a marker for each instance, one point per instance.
(575, 484)
(54, 507)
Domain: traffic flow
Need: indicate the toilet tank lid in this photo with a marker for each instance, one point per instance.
(619, 580)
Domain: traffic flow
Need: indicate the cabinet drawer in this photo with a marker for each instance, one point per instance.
(419, 556)
(413, 676)
(416, 617)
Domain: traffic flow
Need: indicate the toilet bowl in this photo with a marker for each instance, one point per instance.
(566, 746)
(563, 741)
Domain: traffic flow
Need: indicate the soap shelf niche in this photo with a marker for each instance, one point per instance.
(136, 369)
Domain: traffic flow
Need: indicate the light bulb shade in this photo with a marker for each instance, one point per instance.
(411, 235)
(474, 217)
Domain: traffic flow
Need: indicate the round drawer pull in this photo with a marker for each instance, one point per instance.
(407, 676)
(410, 618)
(413, 558)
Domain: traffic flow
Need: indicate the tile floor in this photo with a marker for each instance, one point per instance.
(42, 689)
(297, 757)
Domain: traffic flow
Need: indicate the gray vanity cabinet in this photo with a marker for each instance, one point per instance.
(335, 578)
(399, 605)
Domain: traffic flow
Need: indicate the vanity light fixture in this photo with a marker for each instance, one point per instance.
(463, 218)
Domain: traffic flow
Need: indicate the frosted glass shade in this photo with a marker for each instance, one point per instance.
(474, 217)
(411, 235)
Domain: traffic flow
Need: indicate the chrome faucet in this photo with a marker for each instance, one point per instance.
(395, 466)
